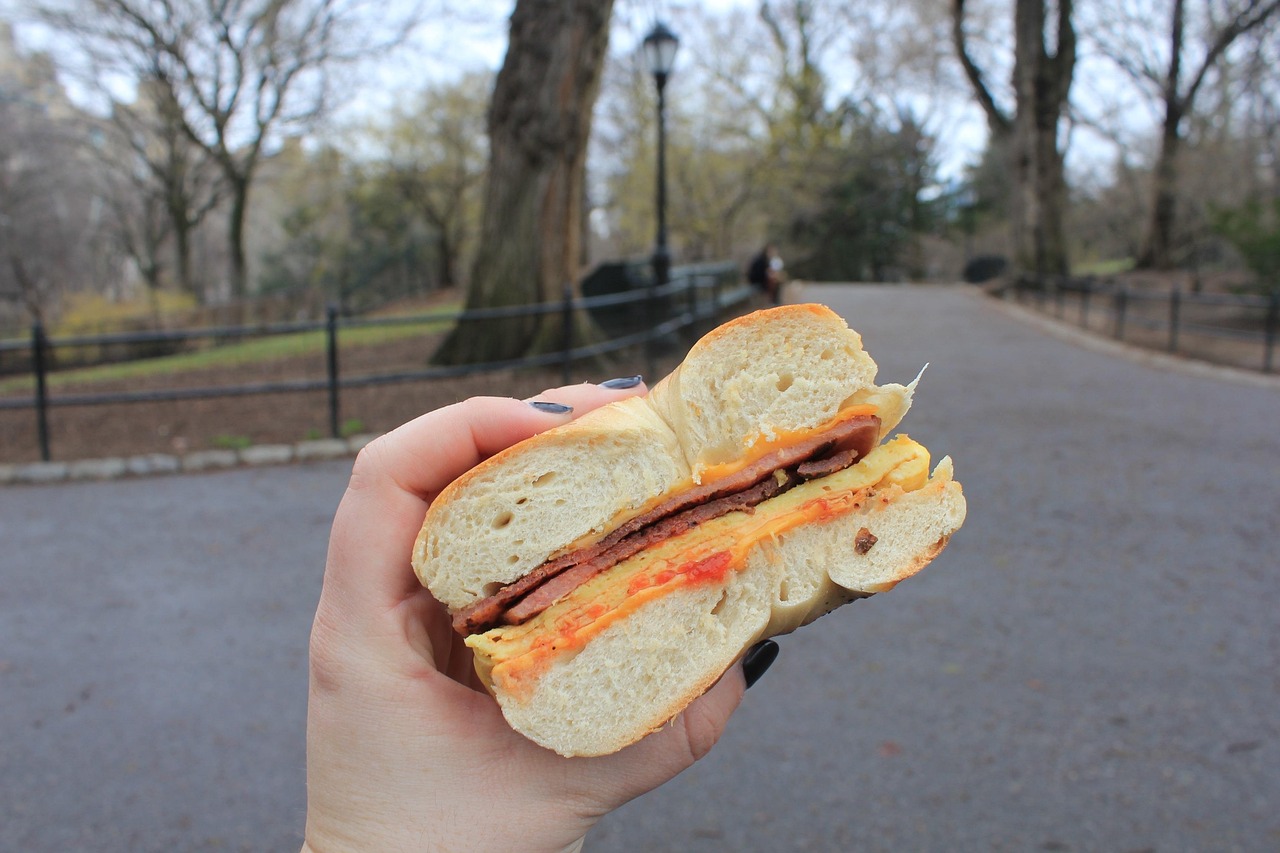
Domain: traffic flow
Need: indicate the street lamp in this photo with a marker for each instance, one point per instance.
(660, 49)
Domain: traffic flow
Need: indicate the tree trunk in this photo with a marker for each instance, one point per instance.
(448, 260)
(1041, 80)
(1157, 252)
(182, 252)
(239, 268)
(539, 122)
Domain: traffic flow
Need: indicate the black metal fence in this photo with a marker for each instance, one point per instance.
(1232, 329)
(696, 294)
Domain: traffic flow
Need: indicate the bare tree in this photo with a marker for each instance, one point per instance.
(539, 123)
(241, 71)
(163, 186)
(1174, 78)
(1026, 131)
(48, 211)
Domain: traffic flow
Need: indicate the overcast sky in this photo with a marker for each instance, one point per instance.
(472, 35)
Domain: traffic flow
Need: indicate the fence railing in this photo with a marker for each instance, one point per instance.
(696, 294)
(1226, 328)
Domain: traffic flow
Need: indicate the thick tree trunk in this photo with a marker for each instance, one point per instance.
(1157, 249)
(539, 122)
(1038, 226)
(1041, 81)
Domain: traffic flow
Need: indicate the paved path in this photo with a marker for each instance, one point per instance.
(1093, 664)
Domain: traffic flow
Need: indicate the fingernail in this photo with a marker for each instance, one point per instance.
(551, 408)
(623, 382)
(758, 659)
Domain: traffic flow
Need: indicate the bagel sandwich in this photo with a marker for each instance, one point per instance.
(607, 572)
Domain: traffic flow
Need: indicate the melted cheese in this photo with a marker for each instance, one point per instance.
(753, 449)
(516, 654)
(757, 447)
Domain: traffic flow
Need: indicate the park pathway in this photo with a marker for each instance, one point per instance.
(1093, 664)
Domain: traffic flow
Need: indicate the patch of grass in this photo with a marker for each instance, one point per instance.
(244, 353)
(1111, 266)
(348, 428)
(232, 442)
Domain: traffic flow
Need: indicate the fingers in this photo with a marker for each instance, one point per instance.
(396, 477)
(583, 398)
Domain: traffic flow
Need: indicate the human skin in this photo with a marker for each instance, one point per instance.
(405, 749)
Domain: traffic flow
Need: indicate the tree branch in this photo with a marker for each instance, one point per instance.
(997, 120)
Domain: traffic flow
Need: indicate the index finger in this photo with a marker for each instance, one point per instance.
(396, 477)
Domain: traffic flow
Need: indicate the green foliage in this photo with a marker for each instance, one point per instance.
(348, 428)
(398, 220)
(357, 244)
(225, 441)
(1254, 229)
(865, 222)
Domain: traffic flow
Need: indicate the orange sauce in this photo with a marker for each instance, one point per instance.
(571, 629)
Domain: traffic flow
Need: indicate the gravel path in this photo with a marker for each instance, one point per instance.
(1093, 664)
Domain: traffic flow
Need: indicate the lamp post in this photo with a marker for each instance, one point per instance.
(660, 49)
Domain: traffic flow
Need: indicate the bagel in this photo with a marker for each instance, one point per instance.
(607, 572)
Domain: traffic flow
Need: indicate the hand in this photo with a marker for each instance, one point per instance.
(405, 751)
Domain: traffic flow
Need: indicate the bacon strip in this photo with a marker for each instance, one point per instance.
(554, 589)
(816, 456)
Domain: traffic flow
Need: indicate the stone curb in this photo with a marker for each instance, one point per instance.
(153, 464)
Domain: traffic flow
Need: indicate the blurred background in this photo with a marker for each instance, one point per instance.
(157, 172)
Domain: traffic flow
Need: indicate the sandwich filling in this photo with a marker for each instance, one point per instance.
(833, 448)
(514, 656)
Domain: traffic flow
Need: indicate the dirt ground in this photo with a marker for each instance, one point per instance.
(95, 431)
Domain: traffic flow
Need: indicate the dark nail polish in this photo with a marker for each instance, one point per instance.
(623, 382)
(758, 659)
(551, 408)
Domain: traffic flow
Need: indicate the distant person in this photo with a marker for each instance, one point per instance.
(765, 273)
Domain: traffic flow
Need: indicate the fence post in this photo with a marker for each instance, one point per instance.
(566, 332)
(1175, 313)
(1273, 319)
(1122, 299)
(1085, 290)
(331, 341)
(38, 344)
